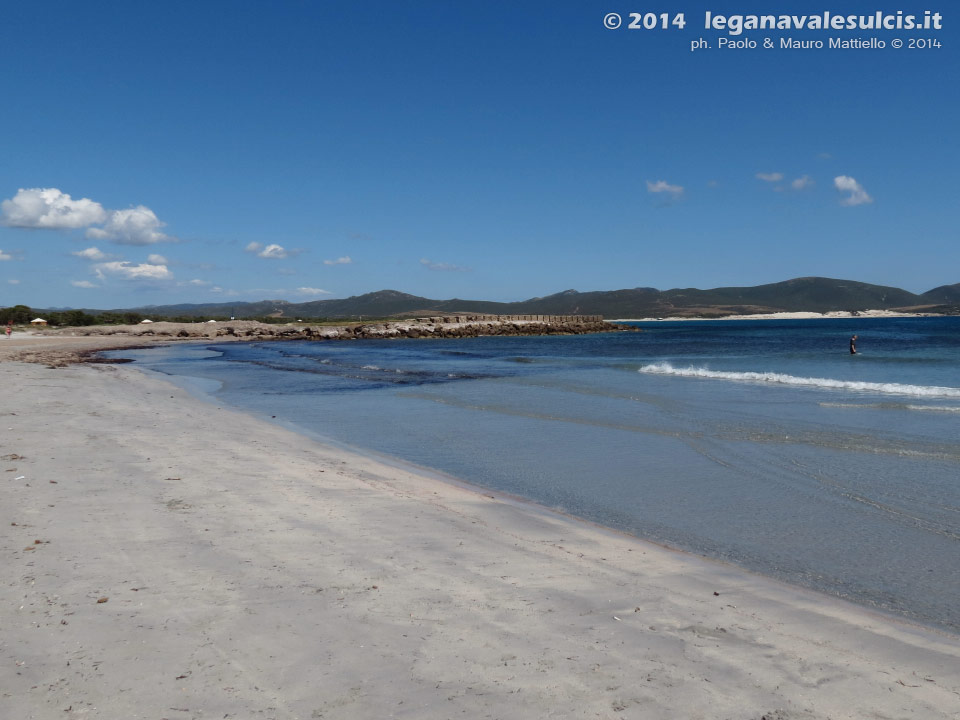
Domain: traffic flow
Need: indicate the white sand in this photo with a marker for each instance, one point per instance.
(788, 316)
(252, 573)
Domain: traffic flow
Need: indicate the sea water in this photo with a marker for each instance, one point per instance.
(761, 443)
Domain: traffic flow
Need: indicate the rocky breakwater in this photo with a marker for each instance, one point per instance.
(448, 326)
(451, 326)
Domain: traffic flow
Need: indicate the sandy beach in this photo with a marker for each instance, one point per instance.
(787, 316)
(169, 558)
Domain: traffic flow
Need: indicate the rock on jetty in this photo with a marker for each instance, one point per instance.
(447, 326)
(451, 326)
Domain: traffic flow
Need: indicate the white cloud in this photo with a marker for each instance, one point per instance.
(345, 260)
(93, 253)
(5, 256)
(273, 252)
(83, 284)
(224, 292)
(770, 177)
(157, 259)
(804, 181)
(133, 226)
(13, 281)
(312, 291)
(270, 252)
(441, 267)
(661, 186)
(196, 282)
(129, 271)
(857, 196)
(50, 209)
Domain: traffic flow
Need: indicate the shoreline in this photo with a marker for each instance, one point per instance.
(58, 347)
(832, 315)
(205, 390)
(275, 574)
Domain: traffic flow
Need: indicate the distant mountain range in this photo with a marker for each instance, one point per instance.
(808, 294)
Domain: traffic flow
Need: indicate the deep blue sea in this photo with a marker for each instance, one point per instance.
(762, 443)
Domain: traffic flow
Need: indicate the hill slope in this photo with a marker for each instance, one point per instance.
(807, 294)
(945, 294)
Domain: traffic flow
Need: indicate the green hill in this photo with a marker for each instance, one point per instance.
(807, 294)
(943, 295)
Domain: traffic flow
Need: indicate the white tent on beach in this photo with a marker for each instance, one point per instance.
(38, 321)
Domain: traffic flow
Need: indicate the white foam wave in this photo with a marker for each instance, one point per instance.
(892, 406)
(812, 382)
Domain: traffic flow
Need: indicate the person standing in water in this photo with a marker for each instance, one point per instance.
(853, 345)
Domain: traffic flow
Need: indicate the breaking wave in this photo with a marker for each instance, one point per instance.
(811, 382)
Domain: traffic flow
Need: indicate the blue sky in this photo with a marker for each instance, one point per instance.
(220, 151)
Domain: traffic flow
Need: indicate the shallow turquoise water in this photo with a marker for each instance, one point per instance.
(763, 443)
